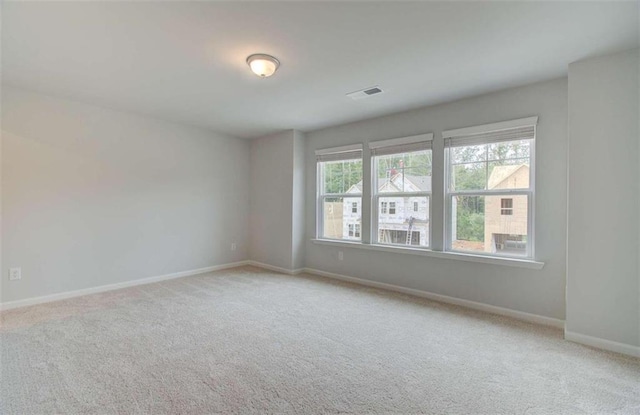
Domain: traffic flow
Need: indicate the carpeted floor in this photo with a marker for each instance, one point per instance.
(251, 341)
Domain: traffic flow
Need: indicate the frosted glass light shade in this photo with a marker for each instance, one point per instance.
(263, 65)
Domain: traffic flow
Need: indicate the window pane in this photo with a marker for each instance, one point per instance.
(339, 219)
(504, 166)
(468, 154)
(471, 176)
(510, 150)
(479, 223)
(509, 174)
(408, 172)
(342, 176)
(406, 226)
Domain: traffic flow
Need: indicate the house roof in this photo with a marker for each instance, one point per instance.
(422, 183)
(501, 173)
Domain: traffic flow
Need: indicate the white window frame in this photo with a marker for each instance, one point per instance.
(530, 192)
(354, 207)
(423, 142)
(342, 153)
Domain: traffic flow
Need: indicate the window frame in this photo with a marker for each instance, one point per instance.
(440, 201)
(376, 203)
(321, 195)
(530, 192)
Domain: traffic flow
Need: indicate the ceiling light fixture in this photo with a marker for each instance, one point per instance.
(263, 65)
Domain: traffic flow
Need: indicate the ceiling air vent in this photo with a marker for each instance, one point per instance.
(365, 93)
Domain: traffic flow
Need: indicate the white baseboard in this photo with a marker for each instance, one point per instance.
(110, 287)
(274, 268)
(600, 343)
(520, 315)
(596, 342)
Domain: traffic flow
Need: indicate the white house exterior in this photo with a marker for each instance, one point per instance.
(398, 215)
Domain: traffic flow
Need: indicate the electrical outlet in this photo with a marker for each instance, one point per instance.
(234, 246)
(340, 256)
(15, 274)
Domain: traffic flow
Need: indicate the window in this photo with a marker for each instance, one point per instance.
(482, 168)
(339, 192)
(506, 206)
(401, 190)
(486, 208)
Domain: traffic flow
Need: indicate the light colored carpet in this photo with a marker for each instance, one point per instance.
(251, 341)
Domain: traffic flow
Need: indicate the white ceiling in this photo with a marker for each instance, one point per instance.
(185, 61)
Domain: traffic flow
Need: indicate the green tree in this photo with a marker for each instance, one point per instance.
(470, 218)
(340, 176)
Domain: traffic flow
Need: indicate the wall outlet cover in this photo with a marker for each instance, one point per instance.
(15, 274)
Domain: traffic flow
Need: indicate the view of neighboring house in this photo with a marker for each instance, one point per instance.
(505, 217)
(332, 221)
(352, 214)
(401, 220)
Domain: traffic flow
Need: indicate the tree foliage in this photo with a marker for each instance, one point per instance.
(413, 164)
(470, 218)
(340, 176)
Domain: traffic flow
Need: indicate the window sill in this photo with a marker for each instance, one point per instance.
(512, 262)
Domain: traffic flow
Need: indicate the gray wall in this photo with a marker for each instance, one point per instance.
(539, 292)
(604, 198)
(298, 206)
(277, 200)
(92, 196)
(271, 199)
